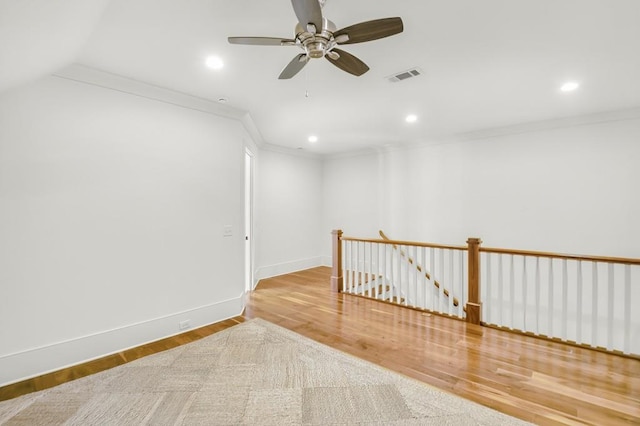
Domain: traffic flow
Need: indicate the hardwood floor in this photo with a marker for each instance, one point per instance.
(536, 380)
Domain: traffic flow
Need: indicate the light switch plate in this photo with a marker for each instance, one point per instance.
(228, 231)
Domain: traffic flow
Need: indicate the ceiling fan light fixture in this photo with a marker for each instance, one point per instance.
(316, 49)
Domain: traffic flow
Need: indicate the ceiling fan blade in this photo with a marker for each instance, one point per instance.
(349, 63)
(294, 66)
(261, 41)
(371, 30)
(308, 12)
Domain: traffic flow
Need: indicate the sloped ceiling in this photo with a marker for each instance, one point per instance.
(487, 64)
(38, 37)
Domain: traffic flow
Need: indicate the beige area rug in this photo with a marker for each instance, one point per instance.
(254, 373)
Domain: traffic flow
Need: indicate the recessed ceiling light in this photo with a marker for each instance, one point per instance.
(411, 118)
(223, 99)
(215, 63)
(313, 139)
(569, 86)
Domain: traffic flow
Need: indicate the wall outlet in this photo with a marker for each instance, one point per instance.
(183, 325)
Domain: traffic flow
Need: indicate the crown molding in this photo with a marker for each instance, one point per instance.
(291, 151)
(361, 152)
(95, 77)
(557, 123)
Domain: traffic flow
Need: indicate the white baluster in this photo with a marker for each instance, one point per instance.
(392, 275)
(550, 299)
(442, 281)
(423, 278)
(355, 267)
(363, 268)
(525, 291)
(347, 265)
(594, 304)
(432, 289)
(610, 308)
(565, 298)
(385, 269)
(400, 280)
(537, 307)
(500, 289)
(377, 285)
(365, 278)
(461, 282)
(450, 282)
(487, 286)
(345, 268)
(512, 288)
(626, 344)
(579, 307)
(371, 282)
(416, 276)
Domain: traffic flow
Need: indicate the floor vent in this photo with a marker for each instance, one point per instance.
(405, 75)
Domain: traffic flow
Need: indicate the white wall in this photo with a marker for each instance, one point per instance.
(112, 208)
(352, 195)
(571, 190)
(288, 213)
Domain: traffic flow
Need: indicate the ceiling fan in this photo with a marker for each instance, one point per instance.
(318, 37)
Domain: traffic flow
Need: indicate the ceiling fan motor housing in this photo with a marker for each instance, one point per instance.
(316, 45)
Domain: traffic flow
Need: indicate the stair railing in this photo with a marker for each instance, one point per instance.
(379, 269)
(586, 301)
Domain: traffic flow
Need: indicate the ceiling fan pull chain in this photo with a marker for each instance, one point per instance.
(306, 83)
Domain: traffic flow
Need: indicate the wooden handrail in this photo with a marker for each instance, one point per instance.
(621, 260)
(386, 240)
(395, 245)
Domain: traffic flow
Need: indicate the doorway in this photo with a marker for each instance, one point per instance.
(248, 220)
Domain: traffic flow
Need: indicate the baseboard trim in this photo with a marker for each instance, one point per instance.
(28, 364)
(288, 267)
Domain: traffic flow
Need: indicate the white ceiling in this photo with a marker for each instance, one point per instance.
(486, 64)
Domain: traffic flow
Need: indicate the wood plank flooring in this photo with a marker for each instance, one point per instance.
(536, 380)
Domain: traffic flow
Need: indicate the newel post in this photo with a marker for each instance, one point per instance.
(336, 270)
(474, 305)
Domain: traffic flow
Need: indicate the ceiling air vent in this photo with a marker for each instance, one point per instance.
(405, 75)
